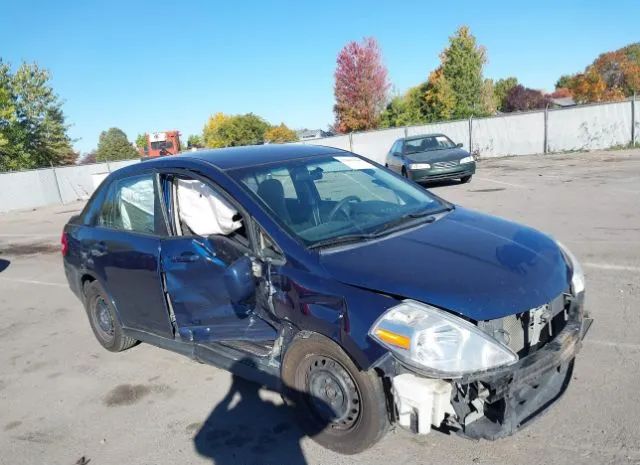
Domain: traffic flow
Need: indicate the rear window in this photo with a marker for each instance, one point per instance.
(130, 205)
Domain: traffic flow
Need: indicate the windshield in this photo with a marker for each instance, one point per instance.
(425, 144)
(326, 200)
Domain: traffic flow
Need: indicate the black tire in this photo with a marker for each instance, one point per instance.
(358, 416)
(465, 179)
(103, 319)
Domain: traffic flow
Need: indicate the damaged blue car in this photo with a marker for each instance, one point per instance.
(372, 301)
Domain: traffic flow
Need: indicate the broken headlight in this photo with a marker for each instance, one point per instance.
(577, 275)
(438, 342)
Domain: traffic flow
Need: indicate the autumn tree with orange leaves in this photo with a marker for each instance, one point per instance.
(361, 86)
(612, 76)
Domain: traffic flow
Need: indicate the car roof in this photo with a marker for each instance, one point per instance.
(237, 157)
(420, 136)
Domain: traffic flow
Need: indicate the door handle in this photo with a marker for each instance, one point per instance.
(185, 257)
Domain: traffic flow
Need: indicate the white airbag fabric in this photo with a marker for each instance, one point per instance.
(204, 211)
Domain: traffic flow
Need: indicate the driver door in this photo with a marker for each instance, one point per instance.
(193, 272)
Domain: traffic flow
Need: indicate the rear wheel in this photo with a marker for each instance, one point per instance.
(103, 319)
(339, 406)
(465, 179)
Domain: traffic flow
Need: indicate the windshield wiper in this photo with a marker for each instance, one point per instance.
(387, 228)
(393, 224)
(342, 240)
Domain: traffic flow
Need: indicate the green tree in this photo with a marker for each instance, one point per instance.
(33, 132)
(564, 81)
(210, 134)
(227, 131)
(439, 97)
(114, 145)
(194, 140)
(141, 141)
(462, 63)
(280, 134)
(406, 110)
(501, 90)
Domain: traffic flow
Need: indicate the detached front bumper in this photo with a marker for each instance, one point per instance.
(434, 173)
(494, 403)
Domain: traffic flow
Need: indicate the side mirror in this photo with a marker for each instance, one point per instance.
(239, 280)
(459, 145)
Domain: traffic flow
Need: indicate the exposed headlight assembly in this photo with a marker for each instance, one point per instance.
(468, 159)
(438, 342)
(577, 274)
(419, 166)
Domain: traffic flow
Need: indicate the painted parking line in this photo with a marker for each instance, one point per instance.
(607, 266)
(519, 186)
(31, 281)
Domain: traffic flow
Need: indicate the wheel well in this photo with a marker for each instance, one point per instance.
(86, 279)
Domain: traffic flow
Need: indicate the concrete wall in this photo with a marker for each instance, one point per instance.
(28, 189)
(375, 144)
(339, 142)
(590, 127)
(518, 134)
(36, 188)
(636, 112)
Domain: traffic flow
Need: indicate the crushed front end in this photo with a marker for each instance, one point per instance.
(494, 403)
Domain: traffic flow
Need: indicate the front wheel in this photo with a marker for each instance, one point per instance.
(340, 407)
(465, 179)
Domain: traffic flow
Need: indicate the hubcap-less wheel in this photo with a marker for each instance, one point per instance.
(334, 396)
(102, 316)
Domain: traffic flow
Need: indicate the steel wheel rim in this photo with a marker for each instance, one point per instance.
(103, 319)
(333, 396)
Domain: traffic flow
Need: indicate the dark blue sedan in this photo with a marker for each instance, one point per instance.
(368, 299)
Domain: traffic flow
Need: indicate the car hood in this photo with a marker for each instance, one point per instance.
(476, 265)
(438, 155)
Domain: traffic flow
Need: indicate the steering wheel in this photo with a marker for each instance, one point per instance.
(340, 206)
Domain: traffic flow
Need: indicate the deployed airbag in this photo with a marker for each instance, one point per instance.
(203, 210)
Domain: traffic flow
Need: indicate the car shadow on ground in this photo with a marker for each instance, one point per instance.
(441, 183)
(246, 429)
(4, 264)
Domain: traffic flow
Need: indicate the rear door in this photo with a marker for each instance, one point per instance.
(193, 270)
(124, 251)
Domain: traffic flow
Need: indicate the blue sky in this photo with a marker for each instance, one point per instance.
(153, 65)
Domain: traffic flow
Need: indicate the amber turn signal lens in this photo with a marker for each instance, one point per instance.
(392, 338)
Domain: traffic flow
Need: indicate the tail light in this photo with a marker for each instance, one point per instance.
(64, 244)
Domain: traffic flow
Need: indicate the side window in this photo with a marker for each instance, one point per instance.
(130, 205)
(394, 147)
(199, 209)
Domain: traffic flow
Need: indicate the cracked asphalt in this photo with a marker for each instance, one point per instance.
(65, 400)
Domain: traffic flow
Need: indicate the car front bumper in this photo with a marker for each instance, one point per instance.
(434, 174)
(494, 403)
(515, 395)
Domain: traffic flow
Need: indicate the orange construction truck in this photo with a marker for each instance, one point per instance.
(160, 144)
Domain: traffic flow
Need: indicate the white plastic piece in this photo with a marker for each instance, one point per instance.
(426, 399)
(204, 210)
